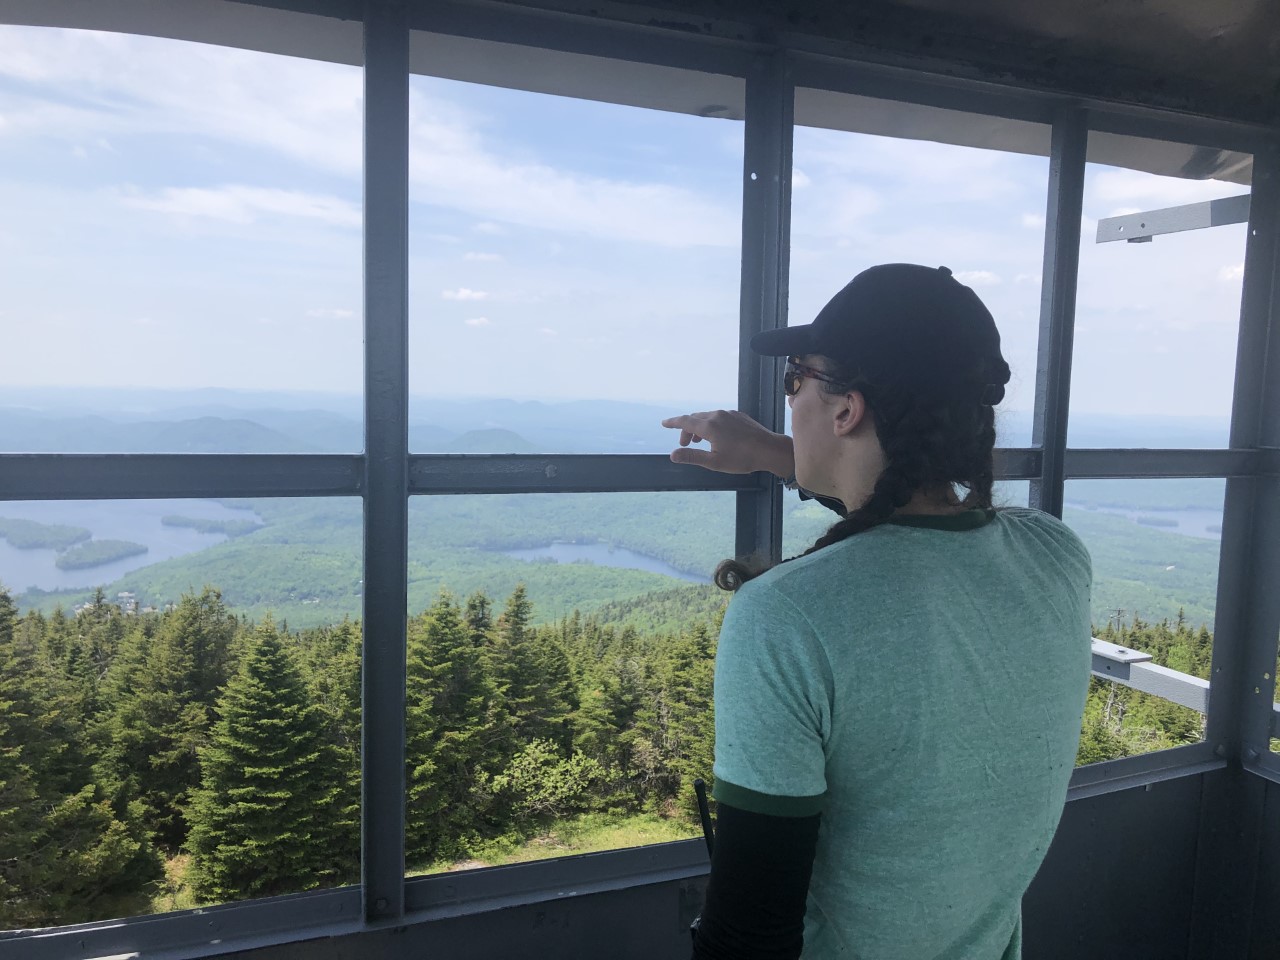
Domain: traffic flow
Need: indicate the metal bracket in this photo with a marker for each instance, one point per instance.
(1141, 227)
(1134, 669)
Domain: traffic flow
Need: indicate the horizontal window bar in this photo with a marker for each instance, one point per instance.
(597, 37)
(474, 891)
(1140, 463)
(904, 85)
(118, 476)
(618, 473)
(565, 473)
(111, 476)
(1266, 765)
(203, 932)
(1111, 776)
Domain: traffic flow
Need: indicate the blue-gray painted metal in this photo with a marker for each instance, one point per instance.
(1248, 604)
(141, 476)
(386, 505)
(884, 82)
(766, 242)
(1135, 227)
(565, 473)
(1083, 463)
(475, 891)
(203, 932)
(595, 36)
(1058, 306)
(1179, 688)
(1112, 776)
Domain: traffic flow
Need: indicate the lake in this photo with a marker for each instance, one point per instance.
(136, 520)
(605, 556)
(1200, 524)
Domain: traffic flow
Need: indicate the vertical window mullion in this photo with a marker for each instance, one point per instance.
(1070, 140)
(766, 221)
(386, 246)
(1248, 603)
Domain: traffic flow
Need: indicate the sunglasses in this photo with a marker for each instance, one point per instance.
(796, 372)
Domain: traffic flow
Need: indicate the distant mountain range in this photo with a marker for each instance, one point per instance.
(219, 421)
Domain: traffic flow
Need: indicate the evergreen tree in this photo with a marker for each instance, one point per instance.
(263, 819)
(331, 660)
(161, 690)
(690, 727)
(445, 735)
(65, 856)
(479, 620)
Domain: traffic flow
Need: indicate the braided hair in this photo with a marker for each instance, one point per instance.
(929, 439)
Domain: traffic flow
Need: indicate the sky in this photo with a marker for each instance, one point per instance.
(178, 215)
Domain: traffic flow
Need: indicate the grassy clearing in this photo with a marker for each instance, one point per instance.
(589, 833)
(173, 893)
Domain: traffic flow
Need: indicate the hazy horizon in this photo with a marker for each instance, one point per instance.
(160, 237)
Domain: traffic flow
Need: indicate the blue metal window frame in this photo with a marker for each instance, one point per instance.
(384, 477)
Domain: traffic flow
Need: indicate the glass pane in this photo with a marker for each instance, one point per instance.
(1155, 547)
(182, 270)
(560, 663)
(860, 199)
(175, 745)
(1156, 323)
(574, 270)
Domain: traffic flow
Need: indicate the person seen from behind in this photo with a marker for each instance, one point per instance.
(897, 710)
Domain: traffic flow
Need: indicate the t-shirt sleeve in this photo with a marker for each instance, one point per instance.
(773, 691)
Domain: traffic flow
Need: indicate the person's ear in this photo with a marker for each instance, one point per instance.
(850, 412)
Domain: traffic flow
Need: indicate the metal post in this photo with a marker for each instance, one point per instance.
(1248, 607)
(386, 501)
(766, 248)
(1058, 305)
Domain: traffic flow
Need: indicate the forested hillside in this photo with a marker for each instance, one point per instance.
(151, 761)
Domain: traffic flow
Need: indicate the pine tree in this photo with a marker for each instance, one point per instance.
(445, 736)
(262, 821)
(161, 690)
(690, 732)
(331, 660)
(65, 855)
(479, 620)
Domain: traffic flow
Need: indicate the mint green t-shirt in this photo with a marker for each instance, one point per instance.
(921, 685)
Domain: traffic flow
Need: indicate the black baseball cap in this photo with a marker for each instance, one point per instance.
(906, 325)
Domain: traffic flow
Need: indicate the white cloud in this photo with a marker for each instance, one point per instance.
(242, 204)
(548, 332)
(452, 165)
(463, 293)
(1028, 278)
(477, 322)
(1231, 274)
(490, 229)
(330, 313)
(479, 257)
(1033, 221)
(978, 278)
(1138, 191)
(799, 179)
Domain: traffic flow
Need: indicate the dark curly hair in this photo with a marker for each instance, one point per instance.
(931, 437)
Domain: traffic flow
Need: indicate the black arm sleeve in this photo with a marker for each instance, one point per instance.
(759, 882)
